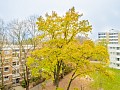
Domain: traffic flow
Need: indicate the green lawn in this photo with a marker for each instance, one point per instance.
(105, 82)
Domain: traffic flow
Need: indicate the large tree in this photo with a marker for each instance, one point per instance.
(58, 33)
(60, 47)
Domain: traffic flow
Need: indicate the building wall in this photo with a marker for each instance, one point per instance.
(12, 66)
(107, 37)
(114, 51)
(118, 38)
(113, 39)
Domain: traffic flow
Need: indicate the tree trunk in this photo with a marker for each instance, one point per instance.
(56, 82)
(27, 78)
(69, 84)
(72, 78)
(2, 84)
(27, 87)
(57, 74)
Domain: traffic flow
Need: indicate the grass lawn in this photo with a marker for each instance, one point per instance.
(102, 81)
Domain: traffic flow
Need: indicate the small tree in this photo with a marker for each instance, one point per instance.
(3, 40)
(89, 60)
(23, 34)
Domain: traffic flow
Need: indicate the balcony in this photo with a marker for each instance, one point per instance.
(15, 75)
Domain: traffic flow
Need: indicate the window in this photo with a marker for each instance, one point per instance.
(6, 69)
(17, 70)
(18, 63)
(15, 50)
(7, 60)
(113, 33)
(13, 72)
(13, 63)
(101, 36)
(23, 50)
(118, 59)
(113, 39)
(6, 52)
(13, 81)
(118, 53)
(118, 65)
(118, 48)
(113, 36)
(113, 47)
(113, 42)
(15, 54)
(112, 53)
(23, 58)
(6, 78)
(102, 33)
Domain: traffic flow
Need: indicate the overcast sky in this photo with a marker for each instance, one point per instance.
(102, 14)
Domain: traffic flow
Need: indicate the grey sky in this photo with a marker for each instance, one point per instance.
(102, 14)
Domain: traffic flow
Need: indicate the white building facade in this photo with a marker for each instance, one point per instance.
(113, 39)
(114, 55)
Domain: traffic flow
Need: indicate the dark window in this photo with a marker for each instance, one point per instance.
(6, 69)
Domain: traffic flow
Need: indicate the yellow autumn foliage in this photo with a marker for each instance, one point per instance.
(59, 45)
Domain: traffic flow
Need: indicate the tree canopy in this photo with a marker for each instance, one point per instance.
(60, 47)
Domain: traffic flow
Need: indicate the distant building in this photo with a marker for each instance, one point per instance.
(12, 66)
(113, 39)
(114, 55)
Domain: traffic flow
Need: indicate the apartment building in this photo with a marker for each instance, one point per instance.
(113, 39)
(11, 63)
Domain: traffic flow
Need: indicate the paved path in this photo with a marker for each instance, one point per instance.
(37, 87)
(18, 88)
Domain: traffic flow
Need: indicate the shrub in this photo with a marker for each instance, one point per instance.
(23, 84)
